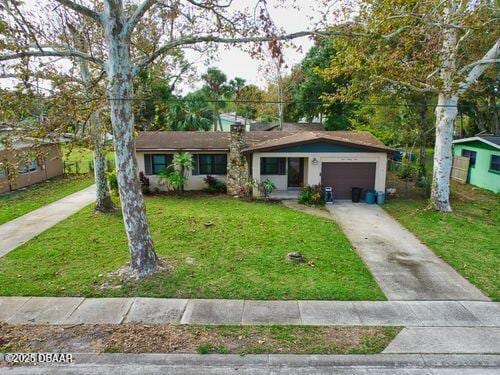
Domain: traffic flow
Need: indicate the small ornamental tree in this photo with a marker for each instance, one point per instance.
(183, 164)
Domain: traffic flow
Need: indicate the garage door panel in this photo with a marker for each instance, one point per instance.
(344, 176)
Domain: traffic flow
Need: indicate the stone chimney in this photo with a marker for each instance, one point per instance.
(237, 165)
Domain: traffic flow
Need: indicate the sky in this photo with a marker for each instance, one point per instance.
(236, 63)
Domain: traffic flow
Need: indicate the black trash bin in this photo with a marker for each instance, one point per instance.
(356, 194)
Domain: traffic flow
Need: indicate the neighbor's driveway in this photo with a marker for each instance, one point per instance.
(404, 268)
(18, 231)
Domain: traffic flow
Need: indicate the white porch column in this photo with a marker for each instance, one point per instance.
(314, 170)
(381, 172)
(256, 173)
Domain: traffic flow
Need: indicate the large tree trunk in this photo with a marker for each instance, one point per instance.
(220, 122)
(98, 138)
(422, 135)
(120, 71)
(103, 197)
(216, 120)
(446, 112)
(280, 105)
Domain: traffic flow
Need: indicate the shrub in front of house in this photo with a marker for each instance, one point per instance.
(408, 171)
(145, 184)
(175, 175)
(267, 187)
(214, 186)
(312, 195)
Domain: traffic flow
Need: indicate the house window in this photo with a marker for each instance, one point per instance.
(3, 172)
(495, 163)
(30, 167)
(273, 166)
(155, 163)
(471, 155)
(210, 164)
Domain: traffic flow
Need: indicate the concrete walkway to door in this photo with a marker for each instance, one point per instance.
(18, 231)
(404, 268)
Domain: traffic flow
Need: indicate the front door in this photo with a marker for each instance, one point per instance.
(295, 172)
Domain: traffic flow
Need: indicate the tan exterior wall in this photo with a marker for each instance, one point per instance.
(195, 182)
(48, 166)
(313, 171)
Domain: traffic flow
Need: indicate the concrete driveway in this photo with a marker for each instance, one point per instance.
(404, 268)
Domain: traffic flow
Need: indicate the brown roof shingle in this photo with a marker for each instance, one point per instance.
(256, 140)
(290, 127)
(358, 138)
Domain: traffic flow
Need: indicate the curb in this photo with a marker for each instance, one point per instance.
(285, 360)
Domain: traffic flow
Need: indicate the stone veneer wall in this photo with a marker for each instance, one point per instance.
(237, 165)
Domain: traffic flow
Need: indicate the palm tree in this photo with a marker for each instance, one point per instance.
(237, 86)
(190, 114)
(216, 88)
(182, 163)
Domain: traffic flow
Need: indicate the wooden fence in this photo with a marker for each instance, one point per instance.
(460, 169)
(84, 166)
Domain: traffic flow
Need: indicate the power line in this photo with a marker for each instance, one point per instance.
(256, 102)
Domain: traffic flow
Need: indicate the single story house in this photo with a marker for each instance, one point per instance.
(340, 159)
(483, 152)
(33, 164)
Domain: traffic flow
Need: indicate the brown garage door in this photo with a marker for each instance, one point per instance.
(344, 176)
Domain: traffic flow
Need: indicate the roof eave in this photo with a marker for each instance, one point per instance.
(316, 140)
(147, 149)
(471, 139)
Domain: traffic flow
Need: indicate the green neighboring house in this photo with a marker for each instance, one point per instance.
(483, 152)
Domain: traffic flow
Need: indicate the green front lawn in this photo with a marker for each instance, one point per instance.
(219, 248)
(24, 200)
(467, 239)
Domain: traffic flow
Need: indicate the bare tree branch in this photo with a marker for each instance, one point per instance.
(41, 75)
(52, 53)
(216, 39)
(136, 17)
(479, 66)
(81, 9)
(210, 6)
(423, 88)
(479, 62)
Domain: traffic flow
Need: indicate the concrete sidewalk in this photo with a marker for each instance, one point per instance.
(431, 326)
(404, 268)
(76, 310)
(18, 231)
(185, 364)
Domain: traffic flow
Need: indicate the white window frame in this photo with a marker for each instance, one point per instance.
(30, 167)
